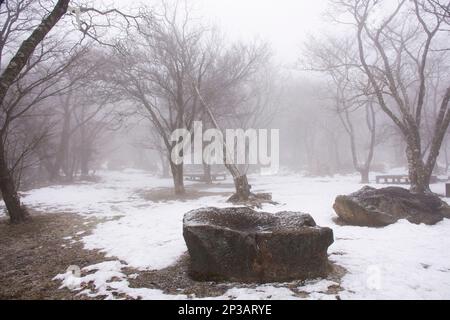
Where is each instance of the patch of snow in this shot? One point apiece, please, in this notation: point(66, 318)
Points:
point(144, 238)
point(318, 285)
point(259, 293)
point(401, 261)
point(106, 279)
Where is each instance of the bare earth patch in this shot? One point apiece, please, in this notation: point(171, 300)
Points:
point(175, 280)
point(193, 192)
point(32, 253)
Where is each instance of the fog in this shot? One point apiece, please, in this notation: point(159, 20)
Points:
point(284, 24)
point(292, 66)
point(210, 148)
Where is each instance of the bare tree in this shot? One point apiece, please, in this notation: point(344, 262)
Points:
point(22, 31)
point(232, 69)
point(154, 70)
point(256, 103)
point(10, 14)
point(402, 44)
point(336, 58)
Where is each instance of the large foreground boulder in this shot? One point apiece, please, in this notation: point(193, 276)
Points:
point(380, 207)
point(240, 244)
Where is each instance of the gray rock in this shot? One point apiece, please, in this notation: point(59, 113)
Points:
point(240, 244)
point(381, 207)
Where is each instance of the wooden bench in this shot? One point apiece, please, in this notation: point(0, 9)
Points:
point(398, 179)
point(201, 176)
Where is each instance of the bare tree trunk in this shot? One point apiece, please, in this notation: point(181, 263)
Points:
point(85, 152)
point(242, 188)
point(363, 168)
point(62, 152)
point(72, 164)
point(7, 78)
point(178, 178)
point(410, 116)
point(84, 161)
point(364, 175)
point(447, 160)
point(207, 173)
point(440, 130)
point(419, 179)
point(240, 180)
point(28, 46)
point(16, 212)
point(206, 168)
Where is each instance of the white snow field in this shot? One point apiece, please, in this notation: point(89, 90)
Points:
point(401, 261)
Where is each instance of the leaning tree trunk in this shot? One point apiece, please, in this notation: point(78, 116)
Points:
point(447, 162)
point(16, 212)
point(26, 49)
point(241, 184)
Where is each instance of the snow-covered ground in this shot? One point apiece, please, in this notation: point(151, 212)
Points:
point(402, 261)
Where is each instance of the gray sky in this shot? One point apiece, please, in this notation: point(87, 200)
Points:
point(284, 23)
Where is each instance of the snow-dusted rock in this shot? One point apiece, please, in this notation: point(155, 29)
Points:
point(381, 207)
point(240, 244)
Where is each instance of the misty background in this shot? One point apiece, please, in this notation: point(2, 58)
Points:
point(92, 91)
point(94, 119)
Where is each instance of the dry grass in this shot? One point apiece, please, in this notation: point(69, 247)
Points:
point(193, 192)
point(175, 280)
point(32, 253)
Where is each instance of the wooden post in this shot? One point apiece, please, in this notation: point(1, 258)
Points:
point(447, 190)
